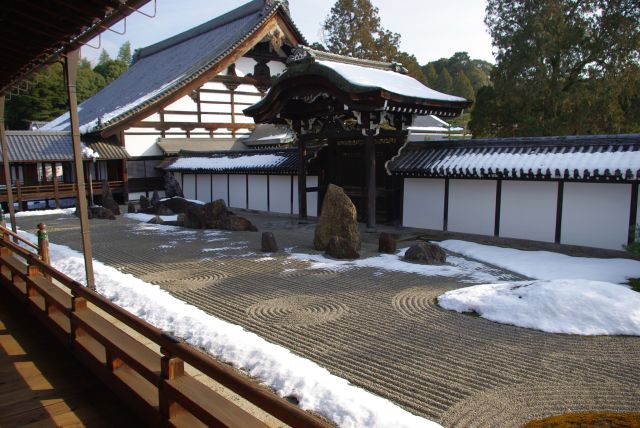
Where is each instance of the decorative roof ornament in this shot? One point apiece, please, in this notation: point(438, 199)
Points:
point(301, 54)
point(268, 4)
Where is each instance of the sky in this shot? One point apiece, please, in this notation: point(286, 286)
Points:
point(429, 29)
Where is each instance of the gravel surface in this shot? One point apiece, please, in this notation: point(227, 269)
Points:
point(378, 329)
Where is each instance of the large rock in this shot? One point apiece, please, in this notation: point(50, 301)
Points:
point(338, 218)
point(269, 244)
point(131, 207)
point(144, 203)
point(215, 213)
point(340, 248)
point(155, 199)
point(156, 220)
point(171, 186)
point(107, 199)
point(426, 253)
point(194, 217)
point(175, 205)
point(387, 243)
point(237, 223)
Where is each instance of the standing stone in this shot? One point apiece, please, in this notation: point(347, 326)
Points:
point(155, 199)
point(144, 203)
point(131, 207)
point(269, 244)
point(387, 243)
point(338, 218)
point(215, 213)
point(427, 253)
point(340, 248)
point(171, 186)
point(107, 199)
point(194, 217)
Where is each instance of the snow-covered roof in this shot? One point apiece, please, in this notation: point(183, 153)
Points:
point(40, 146)
point(430, 123)
point(275, 161)
point(165, 67)
point(601, 157)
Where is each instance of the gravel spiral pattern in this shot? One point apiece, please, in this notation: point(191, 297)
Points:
point(379, 329)
point(297, 310)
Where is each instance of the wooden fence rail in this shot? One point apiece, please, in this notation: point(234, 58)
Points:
point(154, 383)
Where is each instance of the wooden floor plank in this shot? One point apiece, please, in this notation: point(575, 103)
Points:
point(42, 384)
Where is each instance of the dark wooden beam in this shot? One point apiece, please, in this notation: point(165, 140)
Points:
point(302, 172)
point(7, 171)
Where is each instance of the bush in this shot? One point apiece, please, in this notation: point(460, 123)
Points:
point(634, 247)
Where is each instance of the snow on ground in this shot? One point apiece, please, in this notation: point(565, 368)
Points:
point(146, 217)
point(548, 265)
point(288, 374)
point(574, 295)
point(555, 306)
point(458, 267)
point(69, 211)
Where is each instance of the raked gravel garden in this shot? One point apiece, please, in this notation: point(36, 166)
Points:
point(496, 336)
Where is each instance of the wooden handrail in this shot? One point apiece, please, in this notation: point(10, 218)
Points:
point(6, 231)
point(173, 349)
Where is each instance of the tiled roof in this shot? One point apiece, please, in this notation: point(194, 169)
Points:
point(161, 69)
point(273, 161)
point(593, 157)
point(38, 146)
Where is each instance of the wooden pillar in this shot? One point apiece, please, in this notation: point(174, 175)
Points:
point(71, 71)
point(56, 196)
point(370, 168)
point(7, 171)
point(302, 171)
point(18, 188)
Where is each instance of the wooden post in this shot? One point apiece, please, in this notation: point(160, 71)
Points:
point(7, 170)
point(170, 368)
point(55, 184)
point(370, 163)
point(18, 188)
point(71, 71)
point(302, 172)
point(43, 243)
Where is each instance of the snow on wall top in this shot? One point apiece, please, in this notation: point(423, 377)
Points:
point(579, 157)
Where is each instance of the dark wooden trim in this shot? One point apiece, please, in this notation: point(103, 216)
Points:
point(211, 187)
point(182, 180)
point(496, 226)
point(291, 196)
point(56, 196)
point(559, 202)
point(445, 214)
point(246, 190)
point(633, 213)
point(228, 191)
point(268, 193)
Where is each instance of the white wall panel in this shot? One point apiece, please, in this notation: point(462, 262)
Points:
point(472, 206)
point(142, 145)
point(528, 210)
point(204, 187)
point(596, 214)
point(258, 193)
point(189, 186)
point(312, 197)
point(185, 103)
point(238, 191)
point(220, 187)
point(280, 193)
point(423, 203)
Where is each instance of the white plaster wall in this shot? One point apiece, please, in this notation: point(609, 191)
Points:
point(238, 191)
point(596, 214)
point(423, 203)
point(528, 210)
point(155, 117)
point(191, 118)
point(141, 145)
point(244, 66)
point(220, 187)
point(185, 103)
point(216, 108)
point(214, 85)
point(280, 193)
point(258, 193)
point(204, 187)
point(312, 197)
point(189, 186)
point(472, 206)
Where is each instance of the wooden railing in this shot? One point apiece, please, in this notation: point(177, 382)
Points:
point(155, 384)
point(51, 191)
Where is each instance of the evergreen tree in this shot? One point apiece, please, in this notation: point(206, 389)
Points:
point(411, 64)
point(104, 57)
point(462, 86)
point(431, 74)
point(559, 67)
point(353, 28)
point(444, 82)
point(124, 53)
